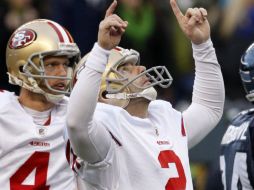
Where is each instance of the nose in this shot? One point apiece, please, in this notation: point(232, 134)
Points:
point(62, 70)
point(141, 68)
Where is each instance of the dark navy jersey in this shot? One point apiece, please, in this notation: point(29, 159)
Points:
point(236, 156)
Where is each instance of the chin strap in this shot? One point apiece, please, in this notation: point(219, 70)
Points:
point(149, 94)
point(55, 99)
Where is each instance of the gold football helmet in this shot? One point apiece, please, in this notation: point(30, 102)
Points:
point(26, 50)
point(115, 87)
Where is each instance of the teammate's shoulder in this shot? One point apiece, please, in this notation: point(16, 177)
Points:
point(107, 111)
point(102, 106)
point(4, 92)
point(6, 96)
point(159, 104)
point(159, 108)
point(61, 107)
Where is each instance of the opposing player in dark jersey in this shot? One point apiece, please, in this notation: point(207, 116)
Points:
point(237, 146)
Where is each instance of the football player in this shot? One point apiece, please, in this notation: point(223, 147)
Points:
point(237, 146)
point(39, 57)
point(130, 140)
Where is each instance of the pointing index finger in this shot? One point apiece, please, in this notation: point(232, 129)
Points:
point(176, 10)
point(111, 8)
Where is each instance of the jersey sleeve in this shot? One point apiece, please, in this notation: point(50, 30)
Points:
point(89, 140)
point(206, 108)
point(101, 175)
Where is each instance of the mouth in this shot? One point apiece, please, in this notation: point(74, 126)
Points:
point(146, 82)
point(60, 86)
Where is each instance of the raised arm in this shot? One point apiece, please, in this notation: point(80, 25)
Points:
point(194, 23)
point(206, 108)
point(90, 141)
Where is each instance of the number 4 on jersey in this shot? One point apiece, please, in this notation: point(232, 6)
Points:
point(38, 161)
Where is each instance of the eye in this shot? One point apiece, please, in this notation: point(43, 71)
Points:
point(50, 65)
point(123, 68)
point(127, 67)
point(56, 64)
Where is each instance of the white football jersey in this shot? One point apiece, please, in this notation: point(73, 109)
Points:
point(32, 156)
point(150, 154)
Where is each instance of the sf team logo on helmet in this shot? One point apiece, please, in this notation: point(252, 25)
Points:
point(22, 38)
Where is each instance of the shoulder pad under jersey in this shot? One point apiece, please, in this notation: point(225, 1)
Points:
point(5, 97)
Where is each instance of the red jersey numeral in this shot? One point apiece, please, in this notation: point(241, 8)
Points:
point(175, 183)
point(38, 161)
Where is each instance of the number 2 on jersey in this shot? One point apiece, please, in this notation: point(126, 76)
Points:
point(167, 157)
point(38, 161)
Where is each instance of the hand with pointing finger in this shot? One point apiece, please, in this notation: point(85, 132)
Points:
point(194, 23)
point(111, 28)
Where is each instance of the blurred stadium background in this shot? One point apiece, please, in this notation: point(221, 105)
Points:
point(153, 31)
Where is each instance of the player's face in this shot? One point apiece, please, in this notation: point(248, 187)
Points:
point(56, 66)
point(130, 71)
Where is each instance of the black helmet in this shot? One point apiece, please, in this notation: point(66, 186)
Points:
point(247, 72)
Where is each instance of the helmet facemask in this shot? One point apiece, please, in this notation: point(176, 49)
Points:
point(156, 76)
point(116, 88)
point(37, 79)
point(121, 87)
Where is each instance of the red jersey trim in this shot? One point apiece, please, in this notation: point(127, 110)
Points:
point(182, 128)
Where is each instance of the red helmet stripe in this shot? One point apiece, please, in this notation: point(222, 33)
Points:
point(63, 35)
point(60, 36)
point(69, 35)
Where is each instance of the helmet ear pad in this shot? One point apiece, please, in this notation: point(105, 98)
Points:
point(20, 65)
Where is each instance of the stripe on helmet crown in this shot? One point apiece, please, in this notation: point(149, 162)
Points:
point(63, 36)
point(69, 35)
